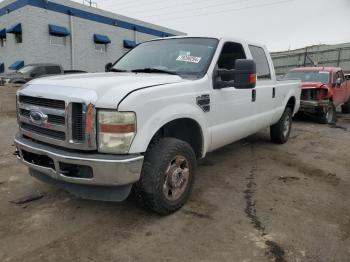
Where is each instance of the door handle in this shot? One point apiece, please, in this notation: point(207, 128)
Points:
point(253, 95)
point(274, 92)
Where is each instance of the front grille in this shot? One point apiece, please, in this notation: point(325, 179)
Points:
point(45, 102)
point(44, 131)
point(66, 121)
point(310, 94)
point(54, 119)
point(77, 122)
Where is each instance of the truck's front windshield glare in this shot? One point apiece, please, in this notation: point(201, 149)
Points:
point(182, 56)
point(305, 76)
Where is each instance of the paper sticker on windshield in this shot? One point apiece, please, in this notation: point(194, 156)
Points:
point(323, 72)
point(189, 58)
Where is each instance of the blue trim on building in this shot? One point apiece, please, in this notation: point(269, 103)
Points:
point(2, 67)
point(58, 30)
point(3, 33)
point(15, 29)
point(16, 65)
point(81, 14)
point(129, 44)
point(101, 39)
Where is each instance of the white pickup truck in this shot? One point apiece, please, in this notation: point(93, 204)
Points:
point(143, 125)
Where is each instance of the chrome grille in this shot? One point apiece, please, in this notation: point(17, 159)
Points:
point(310, 94)
point(60, 120)
point(39, 101)
point(63, 124)
point(77, 122)
point(44, 131)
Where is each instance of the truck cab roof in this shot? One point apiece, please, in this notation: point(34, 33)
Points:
point(317, 69)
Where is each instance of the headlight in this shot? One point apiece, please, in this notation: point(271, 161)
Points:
point(116, 130)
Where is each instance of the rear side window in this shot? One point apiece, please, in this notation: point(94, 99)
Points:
point(262, 65)
point(52, 70)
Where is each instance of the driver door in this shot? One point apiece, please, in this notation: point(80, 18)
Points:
point(232, 109)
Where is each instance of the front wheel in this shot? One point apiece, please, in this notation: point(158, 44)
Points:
point(167, 176)
point(280, 131)
point(328, 114)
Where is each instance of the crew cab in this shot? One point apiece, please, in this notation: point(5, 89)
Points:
point(323, 89)
point(142, 126)
point(32, 71)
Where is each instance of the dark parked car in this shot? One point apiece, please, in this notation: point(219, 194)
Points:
point(33, 71)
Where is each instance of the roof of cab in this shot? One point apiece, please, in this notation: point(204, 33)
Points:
point(316, 69)
point(225, 38)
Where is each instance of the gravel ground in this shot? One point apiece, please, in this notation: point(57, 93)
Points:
point(252, 201)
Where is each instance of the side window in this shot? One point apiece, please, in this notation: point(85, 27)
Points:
point(229, 54)
point(262, 64)
point(2, 42)
point(18, 38)
point(58, 40)
point(39, 71)
point(53, 70)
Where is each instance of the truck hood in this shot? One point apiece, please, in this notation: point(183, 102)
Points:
point(101, 89)
point(312, 85)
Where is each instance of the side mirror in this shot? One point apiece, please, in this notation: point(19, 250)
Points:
point(108, 67)
point(245, 74)
point(242, 77)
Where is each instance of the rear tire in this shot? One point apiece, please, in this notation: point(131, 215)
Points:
point(328, 115)
point(167, 176)
point(280, 131)
point(345, 109)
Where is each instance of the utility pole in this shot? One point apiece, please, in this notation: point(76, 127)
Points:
point(90, 3)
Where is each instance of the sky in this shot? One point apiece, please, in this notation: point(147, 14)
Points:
point(279, 24)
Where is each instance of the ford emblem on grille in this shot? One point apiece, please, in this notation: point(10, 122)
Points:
point(37, 117)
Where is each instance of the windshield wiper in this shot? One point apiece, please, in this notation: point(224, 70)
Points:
point(153, 70)
point(118, 70)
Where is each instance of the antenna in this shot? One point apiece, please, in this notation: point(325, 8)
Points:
point(90, 3)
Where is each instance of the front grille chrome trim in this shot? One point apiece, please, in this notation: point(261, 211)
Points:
point(88, 141)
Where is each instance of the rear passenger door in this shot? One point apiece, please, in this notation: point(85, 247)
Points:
point(339, 92)
point(265, 87)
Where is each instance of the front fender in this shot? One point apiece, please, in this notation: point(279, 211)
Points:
point(150, 123)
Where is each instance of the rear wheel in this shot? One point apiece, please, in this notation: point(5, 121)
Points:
point(167, 176)
point(280, 131)
point(345, 109)
point(328, 114)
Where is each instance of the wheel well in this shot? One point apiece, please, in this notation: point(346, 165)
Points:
point(185, 129)
point(291, 103)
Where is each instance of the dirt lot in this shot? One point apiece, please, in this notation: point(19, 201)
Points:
point(253, 201)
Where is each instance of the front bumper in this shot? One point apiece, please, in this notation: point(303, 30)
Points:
point(79, 168)
point(313, 106)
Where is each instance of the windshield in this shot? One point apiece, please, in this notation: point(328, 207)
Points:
point(308, 76)
point(26, 69)
point(182, 56)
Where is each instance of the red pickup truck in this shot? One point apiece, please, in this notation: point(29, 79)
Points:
point(323, 89)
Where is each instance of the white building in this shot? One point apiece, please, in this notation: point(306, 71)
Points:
point(76, 36)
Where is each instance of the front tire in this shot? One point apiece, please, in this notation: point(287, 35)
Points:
point(280, 131)
point(167, 176)
point(328, 115)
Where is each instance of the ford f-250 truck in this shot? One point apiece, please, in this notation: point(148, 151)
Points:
point(323, 89)
point(143, 125)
